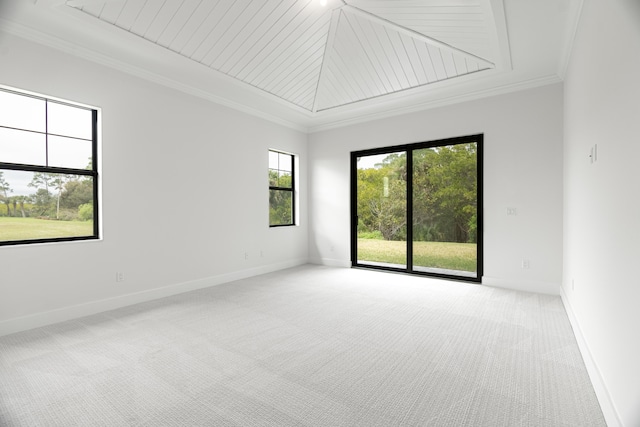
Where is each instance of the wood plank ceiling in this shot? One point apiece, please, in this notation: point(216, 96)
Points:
point(316, 56)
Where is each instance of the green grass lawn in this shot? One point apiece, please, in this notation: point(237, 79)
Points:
point(33, 228)
point(453, 256)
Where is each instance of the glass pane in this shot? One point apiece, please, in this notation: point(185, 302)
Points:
point(445, 210)
point(22, 112)
point(284, 179)
point(273, 160)
point(69, 121)
point(17, 146)
point(273, 177)
point(69, 152)
point(285, 162)
point(280, 207)
point(37, 205)
point(381, 210)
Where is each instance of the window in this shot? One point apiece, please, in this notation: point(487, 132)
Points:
point(48, 170)
point(281, 189)
point(417, 208)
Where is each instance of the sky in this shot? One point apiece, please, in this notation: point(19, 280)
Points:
point(30, 133)
point(368, 162)
point(19, 182)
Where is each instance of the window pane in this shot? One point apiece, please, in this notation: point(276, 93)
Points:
point(445, 210)
point(280, 201)
point(22, 112)
point(273, 178)
point(284, 179)
point(69, 121)
point(273, 160)
point(36, 205)
point(18, 146)
point(285, 162)
point(69, 152)
point(280, 207)
point(381, 203)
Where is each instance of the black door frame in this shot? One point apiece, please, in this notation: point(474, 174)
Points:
point(409, 148)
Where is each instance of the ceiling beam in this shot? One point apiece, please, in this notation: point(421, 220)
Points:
point(416, 35)
point(328, 49)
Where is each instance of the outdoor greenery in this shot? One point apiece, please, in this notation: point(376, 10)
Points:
point(280, 201)
point(444, 196)
point(34, 228)
point(55, 196)
point(444, 208)
point(65, 198)
point(452, 256)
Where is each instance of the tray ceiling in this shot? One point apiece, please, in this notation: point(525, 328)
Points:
point(313, 55)
point(310, 66)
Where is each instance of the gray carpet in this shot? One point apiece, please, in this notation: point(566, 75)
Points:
point(310, 346)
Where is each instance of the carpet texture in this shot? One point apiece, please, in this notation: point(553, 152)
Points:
point(309, 346)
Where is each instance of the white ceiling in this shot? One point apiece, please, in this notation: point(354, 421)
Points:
point(312, 66)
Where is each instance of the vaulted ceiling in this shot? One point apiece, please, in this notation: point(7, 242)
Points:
point(316, 56)
point(314, 63)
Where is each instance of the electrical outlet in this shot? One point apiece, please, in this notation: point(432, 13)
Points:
point(512, 211)
point(119, 276)
point(246, 255)
point(525, 264)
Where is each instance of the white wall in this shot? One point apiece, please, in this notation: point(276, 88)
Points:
point(184, 195)
point(523, 169)
point(601, 204)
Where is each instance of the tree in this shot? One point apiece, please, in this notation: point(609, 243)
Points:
point(42, 198)
point(280, 201)
point(21, 200)
point(58, 182)
point(390, 211)
point(370, 189)
point(85, 211)
point(382, 198)
point(77, 191)
point(455, 183)
point(444, 195)
point(5, 189)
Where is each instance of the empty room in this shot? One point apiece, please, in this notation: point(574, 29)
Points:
point(319, 213)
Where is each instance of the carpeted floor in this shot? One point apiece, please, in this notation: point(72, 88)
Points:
point(309, 346)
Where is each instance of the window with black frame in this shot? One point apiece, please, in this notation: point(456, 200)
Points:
point(281, 189)
point(417, 208)
point(48, 170)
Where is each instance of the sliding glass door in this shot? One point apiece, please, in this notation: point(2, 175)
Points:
point(418, 208)
point(382, 210)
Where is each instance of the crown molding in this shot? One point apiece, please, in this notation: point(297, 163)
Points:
point(57, 43)
point(471, 96)
point(44, 39)
point(217, 87)
point(567, 48)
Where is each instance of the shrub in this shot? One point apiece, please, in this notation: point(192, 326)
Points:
point(67, 215)
point(375, 234)
point(85, 212)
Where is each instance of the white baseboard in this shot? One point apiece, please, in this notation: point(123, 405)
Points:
point(536, 286)
point(330, 262)
point(36, 320)
point(606, 404)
